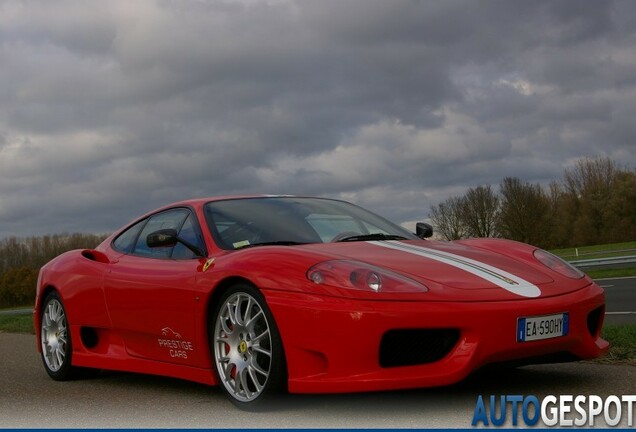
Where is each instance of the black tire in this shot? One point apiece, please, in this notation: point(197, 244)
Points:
point(55, 341)
point(246, 348)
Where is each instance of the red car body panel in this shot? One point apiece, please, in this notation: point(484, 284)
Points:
point(152, 315)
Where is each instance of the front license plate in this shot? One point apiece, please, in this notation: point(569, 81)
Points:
point(542, 327)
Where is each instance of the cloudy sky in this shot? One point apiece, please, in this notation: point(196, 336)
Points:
point(111, 108)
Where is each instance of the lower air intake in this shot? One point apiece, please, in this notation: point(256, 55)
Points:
point(595, 320)
point(416, 346)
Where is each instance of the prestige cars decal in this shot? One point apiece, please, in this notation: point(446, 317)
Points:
point(501, 278)
point(173, 344)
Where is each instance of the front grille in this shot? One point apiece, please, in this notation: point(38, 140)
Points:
point(411, 347)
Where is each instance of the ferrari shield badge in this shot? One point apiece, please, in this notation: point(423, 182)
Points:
point(209, 263)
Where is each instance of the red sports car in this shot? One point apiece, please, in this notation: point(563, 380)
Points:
point(268, 293)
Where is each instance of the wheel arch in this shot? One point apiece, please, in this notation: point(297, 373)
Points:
point(215, 297)
point(48, 289)
point(220, 289)
point(37, 316)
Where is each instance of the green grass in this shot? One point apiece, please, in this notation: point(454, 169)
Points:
point(611, 273)
point(16, 324)
point(603, 250)
point(623, 341)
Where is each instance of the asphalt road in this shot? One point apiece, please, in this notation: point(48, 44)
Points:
point(620, 300)
point(29, 398)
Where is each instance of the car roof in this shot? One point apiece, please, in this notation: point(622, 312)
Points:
point(200, 201)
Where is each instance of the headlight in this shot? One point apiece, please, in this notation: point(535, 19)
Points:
point(557, 264)
point(361, 276)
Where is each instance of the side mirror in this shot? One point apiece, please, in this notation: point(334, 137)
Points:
point(168, 238)
point(423, 230)
point(162, 238)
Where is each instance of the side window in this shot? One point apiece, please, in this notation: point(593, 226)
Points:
point(189, 233)
point(169, 219)
point(126, 240)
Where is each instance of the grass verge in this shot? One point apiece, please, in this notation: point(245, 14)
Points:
point(16, 324)
point(29, 306)
point(611, 273)
point(570, 253)
point(623, 340)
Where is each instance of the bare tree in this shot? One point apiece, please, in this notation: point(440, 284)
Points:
point(524, 210)
point(594, 203)
point(599, 191)
point(561, 215)
point(447, 219)
point(619, 216)
point(591, 176)
point(480, 208)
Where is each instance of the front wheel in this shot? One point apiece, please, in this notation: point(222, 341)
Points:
point(247, 348)
point(55, 339)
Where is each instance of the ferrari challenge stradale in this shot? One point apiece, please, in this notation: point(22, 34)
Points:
point(307, 295)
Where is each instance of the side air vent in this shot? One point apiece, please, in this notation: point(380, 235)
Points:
point(94, 255)
point(89, 337)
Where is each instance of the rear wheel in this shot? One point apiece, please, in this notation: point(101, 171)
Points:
point(246, 347)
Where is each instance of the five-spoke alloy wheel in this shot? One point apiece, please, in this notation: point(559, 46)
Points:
point(247, 351)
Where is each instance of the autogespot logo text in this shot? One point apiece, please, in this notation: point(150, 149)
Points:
point(562, 410)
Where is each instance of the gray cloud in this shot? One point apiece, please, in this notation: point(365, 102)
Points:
point(108, 109)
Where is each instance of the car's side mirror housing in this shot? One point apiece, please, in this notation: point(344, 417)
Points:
point(169, 238)
point(423, 230)
point(162, 238)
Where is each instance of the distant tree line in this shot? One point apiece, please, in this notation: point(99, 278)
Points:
point(21, 259)
point(594, 203)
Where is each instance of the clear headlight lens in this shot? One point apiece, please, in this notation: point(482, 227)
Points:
point(557, 264)
point(361, 276)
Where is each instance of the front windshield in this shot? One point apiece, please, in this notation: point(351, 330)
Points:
point(239, 223)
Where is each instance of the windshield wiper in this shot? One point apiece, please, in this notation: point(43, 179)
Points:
point(272, 243)
point(376, 236)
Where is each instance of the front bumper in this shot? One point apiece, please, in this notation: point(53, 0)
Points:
point(332, 344)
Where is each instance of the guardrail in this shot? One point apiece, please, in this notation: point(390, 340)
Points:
point(598, 252)
point(25, 311)
point(605, 262)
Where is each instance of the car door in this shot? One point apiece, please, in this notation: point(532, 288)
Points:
point(150, 292)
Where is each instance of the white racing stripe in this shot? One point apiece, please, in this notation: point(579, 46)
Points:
point(501, 278)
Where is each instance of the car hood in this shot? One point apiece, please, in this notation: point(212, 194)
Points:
point(473, 273)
